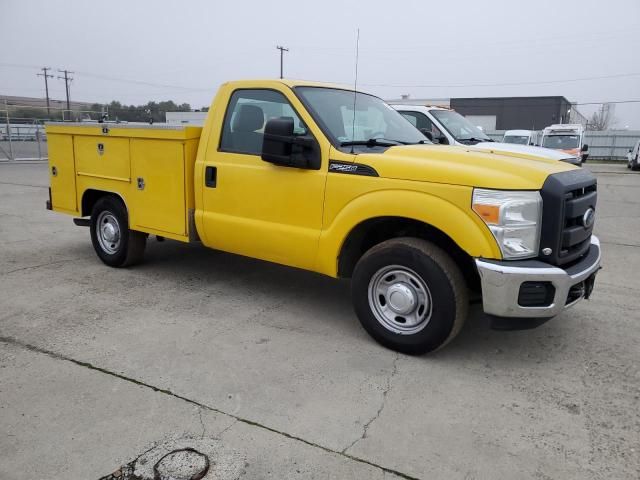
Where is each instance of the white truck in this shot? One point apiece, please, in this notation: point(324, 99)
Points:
point(568, 138)
point(446, 126)
point(521, 137)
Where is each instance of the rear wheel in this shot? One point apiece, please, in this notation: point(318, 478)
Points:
point(409, 295)
point(115, 244)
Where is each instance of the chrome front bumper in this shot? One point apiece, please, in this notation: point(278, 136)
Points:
point(501, 282)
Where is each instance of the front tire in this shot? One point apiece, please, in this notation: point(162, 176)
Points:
point(115, 244)
point(409, 295)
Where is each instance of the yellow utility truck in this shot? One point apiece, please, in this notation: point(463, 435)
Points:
point(327, 179)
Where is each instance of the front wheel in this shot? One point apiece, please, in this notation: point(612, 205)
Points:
point(409, 295)
point(115, 244)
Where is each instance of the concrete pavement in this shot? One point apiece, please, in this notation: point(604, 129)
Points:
point(98, 365)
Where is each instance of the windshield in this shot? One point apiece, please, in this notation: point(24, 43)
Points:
point(374, 119)
point(515, 139)
point(561, 142)
point(459, 127)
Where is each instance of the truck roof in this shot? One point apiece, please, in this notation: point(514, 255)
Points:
point(564, 128)
point(290, 83)
point(523, 133)
point(404, 106)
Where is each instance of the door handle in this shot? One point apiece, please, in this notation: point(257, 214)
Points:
point(211, 176)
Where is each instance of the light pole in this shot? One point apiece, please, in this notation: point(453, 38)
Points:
point(282, 50)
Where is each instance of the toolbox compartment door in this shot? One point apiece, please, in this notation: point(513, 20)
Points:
point(103, 157)
point(158, 185)
point(62, 174)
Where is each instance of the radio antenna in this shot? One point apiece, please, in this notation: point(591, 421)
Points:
point(355, 91)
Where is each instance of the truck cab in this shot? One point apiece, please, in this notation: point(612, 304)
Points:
point(567, 138)
point(327, 179)
point(448, 127)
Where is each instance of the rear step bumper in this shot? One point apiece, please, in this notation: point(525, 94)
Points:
point(82, 222)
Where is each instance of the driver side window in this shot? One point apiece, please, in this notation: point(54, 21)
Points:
point(247, 114)
point(422, 123)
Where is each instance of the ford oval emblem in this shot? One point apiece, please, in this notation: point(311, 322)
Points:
point(589, 218)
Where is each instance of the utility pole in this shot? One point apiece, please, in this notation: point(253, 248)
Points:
point(282, 50)
point(67, 80)
point(46, 85)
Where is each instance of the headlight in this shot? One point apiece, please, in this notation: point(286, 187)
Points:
point(514, 219)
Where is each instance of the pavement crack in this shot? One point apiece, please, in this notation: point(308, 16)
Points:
point(226, 429)
point(23, 185)
point(58, 356)
point(204, 430)
point(385, 392)
point(38, 266)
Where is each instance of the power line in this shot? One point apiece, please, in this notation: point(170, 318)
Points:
point(508, 84)
point(140, 82)
point(46, 85)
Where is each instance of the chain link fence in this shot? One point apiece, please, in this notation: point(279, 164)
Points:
point(22, 132)
point(609, 145)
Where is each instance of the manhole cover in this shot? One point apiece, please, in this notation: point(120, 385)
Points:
point(183, 464)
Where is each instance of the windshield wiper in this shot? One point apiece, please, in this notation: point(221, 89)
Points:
point(373, 142)
point(474, 139)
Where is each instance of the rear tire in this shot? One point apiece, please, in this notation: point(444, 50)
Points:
point(409, 295)
point(115, 244)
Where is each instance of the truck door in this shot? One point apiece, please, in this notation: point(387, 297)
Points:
point(252, 207)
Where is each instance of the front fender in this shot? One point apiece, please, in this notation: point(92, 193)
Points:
point(456, 220)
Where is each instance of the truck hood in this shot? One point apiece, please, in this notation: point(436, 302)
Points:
point(463, 166)
point(525, 150)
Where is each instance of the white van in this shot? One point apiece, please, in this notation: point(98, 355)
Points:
point(520, 137)
point(568, 138)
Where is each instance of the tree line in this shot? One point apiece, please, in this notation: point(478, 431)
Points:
point(115, 111)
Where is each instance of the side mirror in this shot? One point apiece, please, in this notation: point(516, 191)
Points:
point(442, 140)
point(585, 148)
point(427, 133)
point(281, 147)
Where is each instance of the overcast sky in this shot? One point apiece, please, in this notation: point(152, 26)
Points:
point(136, 51)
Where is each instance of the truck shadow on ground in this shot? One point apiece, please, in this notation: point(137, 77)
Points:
point(196, 268)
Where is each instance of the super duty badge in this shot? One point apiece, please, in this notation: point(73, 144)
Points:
point(352, 168)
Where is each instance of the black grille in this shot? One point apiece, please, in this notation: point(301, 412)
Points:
point(566, 197)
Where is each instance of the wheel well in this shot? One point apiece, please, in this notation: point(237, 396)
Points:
point(377, 230)
point(90, 197)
